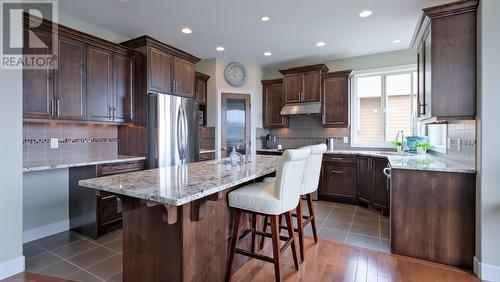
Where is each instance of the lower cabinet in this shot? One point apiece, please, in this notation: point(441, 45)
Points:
point(207, 156)
point(338, 179)
point(94, 213)
point(372, 184)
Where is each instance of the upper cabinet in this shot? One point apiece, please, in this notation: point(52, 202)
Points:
point(303, 84)
point(335, 101)
point(92, 82)
point(165, 69)
point(201, 87)
point(272, 103)
point(445, 40)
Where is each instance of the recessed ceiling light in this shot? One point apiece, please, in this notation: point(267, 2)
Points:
point(267, 53)
point(186, 30)
point(320, 44)
point(396, 41)
point(264, 18)
point(365, 13)
point(220, 48)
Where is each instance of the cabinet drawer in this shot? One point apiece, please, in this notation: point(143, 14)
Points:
point(109, 211)
point(207, 156)
point(339, 158)
point(109, 169)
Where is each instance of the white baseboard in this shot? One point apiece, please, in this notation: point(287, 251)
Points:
point(45, 230)
point(11, 267)
point(486, 272)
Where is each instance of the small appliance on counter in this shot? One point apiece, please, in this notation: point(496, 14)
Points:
point(329, 143)
point(270, 142)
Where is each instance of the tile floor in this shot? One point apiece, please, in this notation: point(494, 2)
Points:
point(74, 257)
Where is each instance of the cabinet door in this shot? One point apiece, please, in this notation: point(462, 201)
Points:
point(336, 101)
point(159, 71)
point(201, 91)
point(293, 85)
point(183, 78)
point(338, 182)
point(123, 69)
point(363, 180)
point(272, 105)
point(312, 87)
point(38, 86)
point(99, 84)
point(427, 75)
point(380, 192)
point(70, 93)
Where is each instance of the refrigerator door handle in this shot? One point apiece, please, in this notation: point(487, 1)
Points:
point(182, 134)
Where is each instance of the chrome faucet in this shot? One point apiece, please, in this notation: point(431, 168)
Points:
point(403, 145)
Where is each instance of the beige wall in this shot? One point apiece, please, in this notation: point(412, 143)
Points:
point(389, 59)
point(488, 164)
point(11, 184)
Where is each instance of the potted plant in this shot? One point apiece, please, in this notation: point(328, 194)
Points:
point(422, 147)
point(398, 145)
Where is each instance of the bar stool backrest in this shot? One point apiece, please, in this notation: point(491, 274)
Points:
point(290, 178)
point(313, 168)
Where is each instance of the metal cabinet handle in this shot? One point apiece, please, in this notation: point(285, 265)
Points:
point(110, 112)
point(387, 172)
point(337, 171)
point(58, 108)
point(114, 113)
point(51, 107)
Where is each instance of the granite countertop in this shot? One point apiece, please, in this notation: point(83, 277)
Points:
point(178, 185)
point(65, 163)
point(406, 161)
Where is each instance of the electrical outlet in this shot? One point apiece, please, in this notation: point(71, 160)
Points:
point(54, 143)
point(459, 144)
point(345, 139)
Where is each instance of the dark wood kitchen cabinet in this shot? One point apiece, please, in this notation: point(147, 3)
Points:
point(99, 84)
point(94, 213)
point(335, 102)
point(372, 184)
point(303, 84)
point(70, 81)
point(445, 40)
point(201, 87)
point(93, 80)
point(338, 179)
point(38, 86)
point(272, 103)
point(165, 69)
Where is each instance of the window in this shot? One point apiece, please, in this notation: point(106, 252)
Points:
point(383, 102)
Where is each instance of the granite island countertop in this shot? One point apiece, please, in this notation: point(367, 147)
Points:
point(405, 160)
point(74, 162)
point(181, 184)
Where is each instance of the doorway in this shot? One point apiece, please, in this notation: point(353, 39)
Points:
point(235, 122)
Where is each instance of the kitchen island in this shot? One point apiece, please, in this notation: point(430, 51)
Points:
point(176, 221)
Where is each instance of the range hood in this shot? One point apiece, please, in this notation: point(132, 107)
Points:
point(301, 109)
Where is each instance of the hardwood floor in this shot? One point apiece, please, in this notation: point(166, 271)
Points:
point(332, 261)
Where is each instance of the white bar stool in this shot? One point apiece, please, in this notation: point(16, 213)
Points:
point(311, 182)
point(271, 200)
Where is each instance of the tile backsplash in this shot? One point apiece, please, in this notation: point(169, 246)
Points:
point(465, 131)
point(75, 141)
point(307, 130)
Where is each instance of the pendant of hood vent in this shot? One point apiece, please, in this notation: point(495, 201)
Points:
point(312, 108)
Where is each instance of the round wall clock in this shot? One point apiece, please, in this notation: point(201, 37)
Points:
point(235, 74)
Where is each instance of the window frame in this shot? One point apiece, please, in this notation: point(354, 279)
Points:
point(394, 70)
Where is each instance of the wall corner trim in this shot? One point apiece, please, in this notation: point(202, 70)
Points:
point(11, 267)
point(486, 272)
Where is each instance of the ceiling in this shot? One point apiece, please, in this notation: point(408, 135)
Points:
point(290, 34)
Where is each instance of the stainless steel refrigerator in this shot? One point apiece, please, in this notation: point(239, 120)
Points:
point(172, 130)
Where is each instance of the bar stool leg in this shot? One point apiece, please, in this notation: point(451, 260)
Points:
point(234, 241)
point(265, 223)
point(254, 227)
point(275, 232)
point(300, 228)
point(291, 234)
point(311, 213)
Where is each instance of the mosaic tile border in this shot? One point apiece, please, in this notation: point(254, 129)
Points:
point(72, 140)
